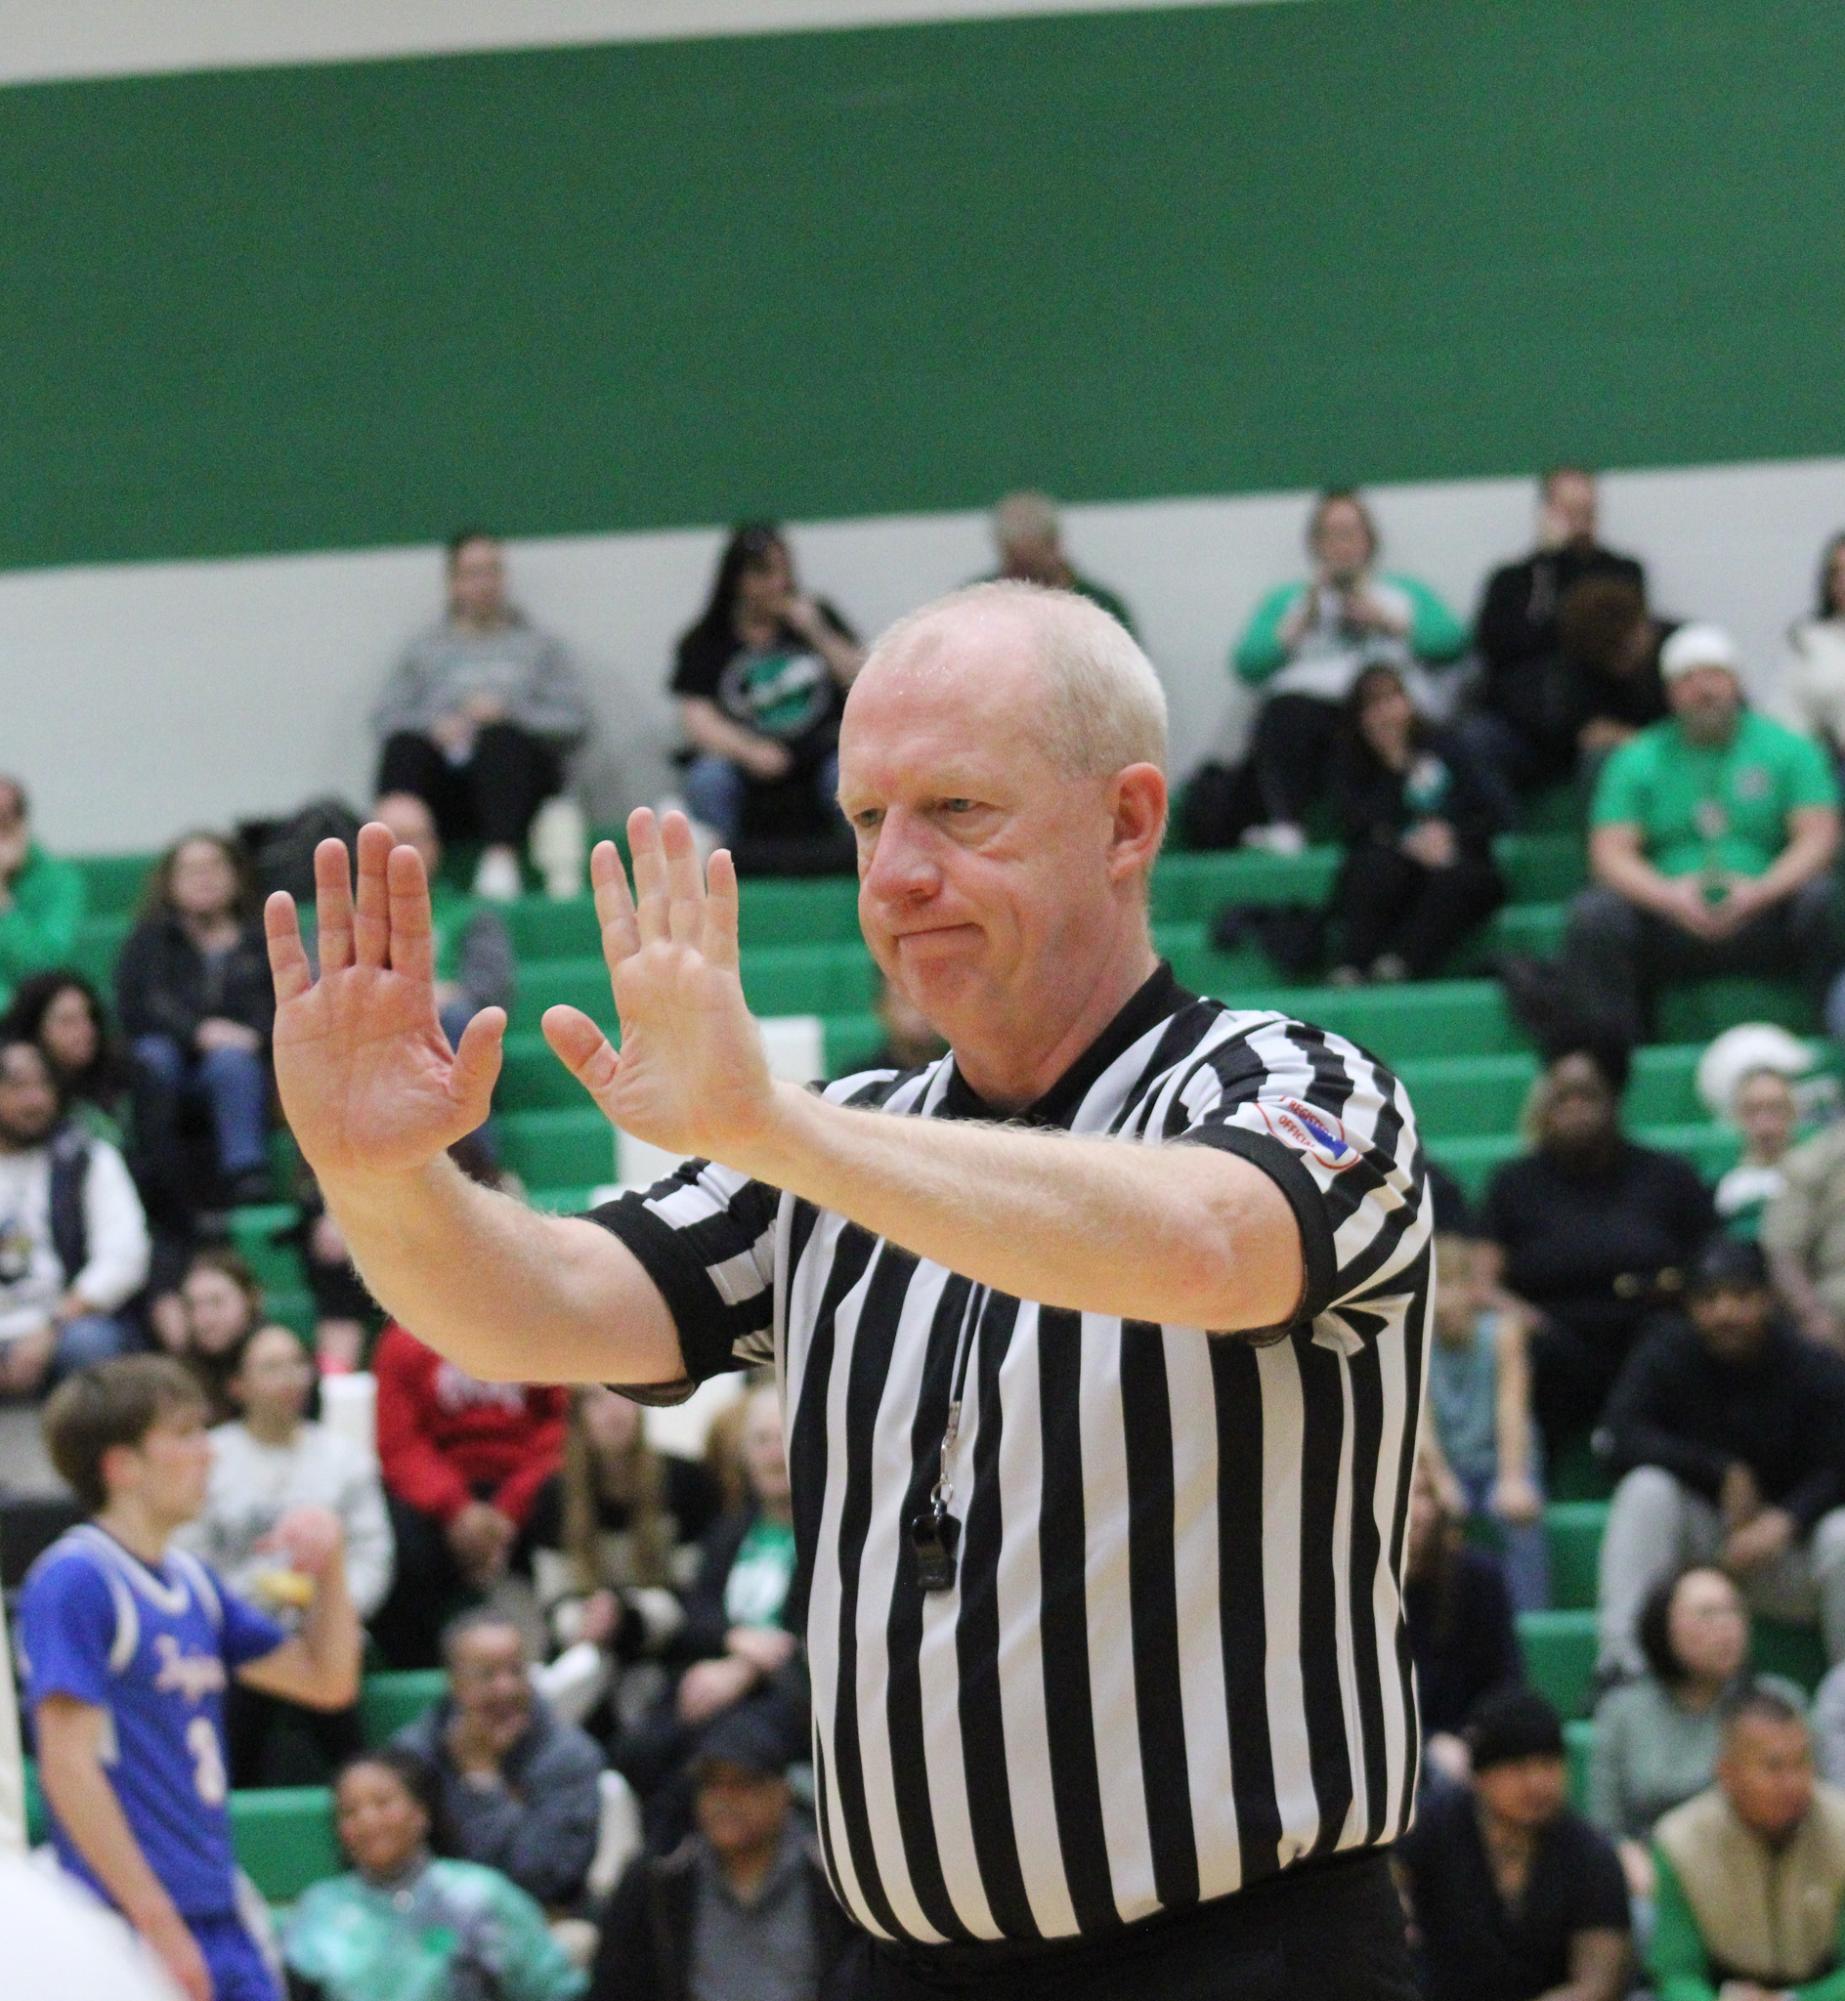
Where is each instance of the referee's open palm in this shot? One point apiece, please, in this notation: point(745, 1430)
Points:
point(690, 1075)
point(368, 1082)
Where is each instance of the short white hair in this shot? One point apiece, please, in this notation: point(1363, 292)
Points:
point(1107, 707)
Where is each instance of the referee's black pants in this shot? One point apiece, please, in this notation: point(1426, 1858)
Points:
point(1328, 1931)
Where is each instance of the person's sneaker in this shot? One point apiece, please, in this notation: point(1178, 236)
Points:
point(497, 879)
point(1281, 838)
point(1345, 976)
point(1390, 969)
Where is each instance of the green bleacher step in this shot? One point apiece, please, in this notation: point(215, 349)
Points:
point(396, 1697)
point(1573, 1536)
point(1559, 1651)
point(284, 1839)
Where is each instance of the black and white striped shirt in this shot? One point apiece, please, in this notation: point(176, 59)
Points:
point(1173, 1659)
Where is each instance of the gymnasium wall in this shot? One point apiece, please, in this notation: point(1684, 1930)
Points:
point(1175, 265)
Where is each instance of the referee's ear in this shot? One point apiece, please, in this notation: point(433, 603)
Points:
point(1137, 803)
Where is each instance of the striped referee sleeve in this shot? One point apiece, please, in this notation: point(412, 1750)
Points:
point(706, 1237)
point(1332, 1127)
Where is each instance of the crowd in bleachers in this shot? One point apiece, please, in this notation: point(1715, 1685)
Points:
point(612, 1725)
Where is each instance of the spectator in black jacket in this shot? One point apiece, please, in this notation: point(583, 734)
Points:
point(737, 1647)
point(1516, 631)
point(1459, 1614)
point(740, 1907)
point(195, 1000)
point(1729, 1431)
point(1588, 1228)
point(1418, 829)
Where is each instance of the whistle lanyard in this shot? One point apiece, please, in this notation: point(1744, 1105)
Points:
point(943, 1492)
point(935, 1534)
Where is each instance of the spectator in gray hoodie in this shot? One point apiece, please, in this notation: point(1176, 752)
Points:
point(520, 1787)
point(480, 715)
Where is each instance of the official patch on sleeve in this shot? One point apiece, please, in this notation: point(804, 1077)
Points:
point(1307, 1129)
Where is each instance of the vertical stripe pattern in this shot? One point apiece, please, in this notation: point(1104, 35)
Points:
point(1172, 1659)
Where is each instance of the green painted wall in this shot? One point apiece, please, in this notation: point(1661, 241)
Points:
point(834, 274)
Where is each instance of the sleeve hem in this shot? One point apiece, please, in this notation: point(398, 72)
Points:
point(1303, 1195)
point(683, 1284)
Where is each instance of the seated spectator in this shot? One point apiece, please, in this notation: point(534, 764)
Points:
point(1418, 828)
point(41, 900)
point(1728, 1432)
point(73, 1239)
point(1305, 648)
point(405, 1923)
point(1810, 688)
point(1510, 1894)
point(738, 1646)
point(909, 1042)
point(220, 1306)
point(1750, 1079)
point(463, 1462)
point(519, 1790)
point(1519, 701)
point(1657, 1738)
point(1751, 1897)
point(480, 715)
point(761, 682)
point(1585, 1228)
point(612, 1538)
point(63, 1013)
point(1459, 1615)
point(1028, 539)
point(1803, 1234)
point(742, 1906)
point(473, 949)
point(1712, 841)
point(1480, 1401)
point(1611, 684)
point(195, 1000)
point(266, 1461)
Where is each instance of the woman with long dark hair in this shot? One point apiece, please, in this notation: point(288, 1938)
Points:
point(761, 680)
point(1418, 828)
point(195, 999)
point(63, 1013)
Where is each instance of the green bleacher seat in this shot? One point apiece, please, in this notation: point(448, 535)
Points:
point(284, 1839)
point(1559, 1651)
point(1711, 1149)
point(1700, 1009)
point(1573, 1534)
point(112, 884)
point(1797, 1652)
point(1578, 1751)
point(396, 1697)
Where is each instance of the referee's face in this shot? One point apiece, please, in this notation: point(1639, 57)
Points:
point(995, 889)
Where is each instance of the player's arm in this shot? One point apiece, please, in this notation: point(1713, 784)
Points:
point(70, 1739)
point(318, 1665)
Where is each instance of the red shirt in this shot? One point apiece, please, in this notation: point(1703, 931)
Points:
point(445, 1439)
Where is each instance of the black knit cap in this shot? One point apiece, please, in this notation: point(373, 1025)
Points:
point(1510, 1724)
point(1727, 1262)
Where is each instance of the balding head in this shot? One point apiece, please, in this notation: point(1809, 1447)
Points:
point(1000, 765)
point(1099, 703)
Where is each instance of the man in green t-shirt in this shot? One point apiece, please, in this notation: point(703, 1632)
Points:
point(1711, 844)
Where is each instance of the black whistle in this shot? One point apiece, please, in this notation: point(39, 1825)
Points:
point(934, 1537)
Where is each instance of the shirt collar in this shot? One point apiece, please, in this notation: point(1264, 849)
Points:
point(1157, 997)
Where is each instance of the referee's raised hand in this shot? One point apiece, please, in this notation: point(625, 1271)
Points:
point(691, 1075)
point(368, 1081)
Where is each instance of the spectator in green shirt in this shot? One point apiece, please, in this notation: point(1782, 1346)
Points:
point(1028, 538)
point(41, 900)
point(1305, 647)
point(1711, 844)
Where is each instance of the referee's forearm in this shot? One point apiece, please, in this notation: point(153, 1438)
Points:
point(1183, 1234)
point(508, 1293)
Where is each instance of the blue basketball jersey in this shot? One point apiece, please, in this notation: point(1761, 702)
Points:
point(154, 1649)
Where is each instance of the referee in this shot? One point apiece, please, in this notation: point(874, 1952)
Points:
point(1101, 1340)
